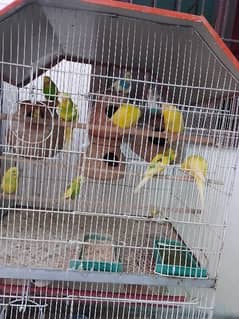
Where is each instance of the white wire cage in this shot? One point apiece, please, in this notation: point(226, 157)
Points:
point(108, 233)
point(77, 300)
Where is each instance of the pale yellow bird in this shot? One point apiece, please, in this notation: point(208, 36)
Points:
point(197, 167)
point(10, 181)
point(173, 119)
point(126, 116)
point(155, 168)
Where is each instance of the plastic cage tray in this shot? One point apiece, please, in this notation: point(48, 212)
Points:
point(99, 254)
point(174, 258)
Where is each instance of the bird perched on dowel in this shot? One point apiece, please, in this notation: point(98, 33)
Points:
point(10, 181)
point(197, 167)
point(156, 167)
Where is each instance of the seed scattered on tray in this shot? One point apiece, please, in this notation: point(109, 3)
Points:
point(99, 251)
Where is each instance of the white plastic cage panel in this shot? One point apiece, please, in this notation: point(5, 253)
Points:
point(134, 98)
point(37, 299)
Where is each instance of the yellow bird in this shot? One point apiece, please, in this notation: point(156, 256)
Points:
point(10, 181)
point(126, 116)
point(197, 167)
point(173, 119)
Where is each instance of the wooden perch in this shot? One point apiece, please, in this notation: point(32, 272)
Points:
point(133, 131)
point(79, 168)
point(59, 198)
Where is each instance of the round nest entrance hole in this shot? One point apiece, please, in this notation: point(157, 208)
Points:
point(156, 140)
point(111, 159)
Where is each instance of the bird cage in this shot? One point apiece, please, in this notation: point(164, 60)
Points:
point(119, 137)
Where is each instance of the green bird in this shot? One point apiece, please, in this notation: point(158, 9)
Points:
point(50, 89)
point(68, 110)
point(10, 181)
point(73, 189)
point(68, 113)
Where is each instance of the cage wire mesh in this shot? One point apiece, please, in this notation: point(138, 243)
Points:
point(76, 300)
point(110, 68)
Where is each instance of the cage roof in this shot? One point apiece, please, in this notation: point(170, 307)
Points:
point(59, 21)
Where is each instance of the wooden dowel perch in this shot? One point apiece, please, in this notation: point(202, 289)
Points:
point(109, 170)
point(133, 131)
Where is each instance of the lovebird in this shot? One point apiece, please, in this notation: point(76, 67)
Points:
point(10, 181)
point(173, 119)
point(155, 167)
point(123, 85)
point(197, 167)
point(126, 116)
point(50, 89)
point(73, 189)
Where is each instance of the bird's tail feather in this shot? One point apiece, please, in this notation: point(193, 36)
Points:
point(67, 135)
point(200, 182)
point(141, 184)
